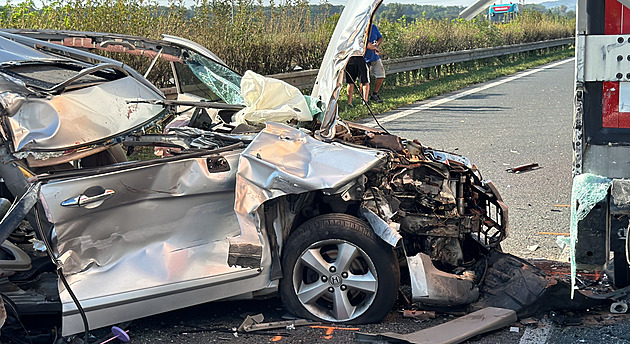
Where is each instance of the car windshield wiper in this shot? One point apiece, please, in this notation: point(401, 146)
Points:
point(192, 103)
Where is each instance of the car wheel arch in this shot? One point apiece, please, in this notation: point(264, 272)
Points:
point(299, 205)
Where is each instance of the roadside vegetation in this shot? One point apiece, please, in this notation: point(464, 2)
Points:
point(395, 11)
point(431, 36)
point(281, 36)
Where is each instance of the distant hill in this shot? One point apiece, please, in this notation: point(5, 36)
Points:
point(570, 4)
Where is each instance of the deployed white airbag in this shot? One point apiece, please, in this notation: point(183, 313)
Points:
point(268, 99)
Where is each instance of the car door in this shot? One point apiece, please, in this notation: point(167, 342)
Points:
point(140, 238)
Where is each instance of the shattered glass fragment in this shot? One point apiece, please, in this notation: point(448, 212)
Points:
point(588, 190)
point(314, 105)
point(221, 80)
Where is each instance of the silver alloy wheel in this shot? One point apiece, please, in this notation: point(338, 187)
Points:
point(335, 280)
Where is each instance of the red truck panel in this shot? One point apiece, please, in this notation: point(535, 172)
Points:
point(617, 22)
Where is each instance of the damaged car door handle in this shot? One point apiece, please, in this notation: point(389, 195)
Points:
point(84, 199)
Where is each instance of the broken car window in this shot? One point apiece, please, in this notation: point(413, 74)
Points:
point(211, 80)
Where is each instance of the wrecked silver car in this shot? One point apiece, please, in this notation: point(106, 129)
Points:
point(253, 194)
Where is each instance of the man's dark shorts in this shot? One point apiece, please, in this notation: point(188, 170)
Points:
point(357, 70)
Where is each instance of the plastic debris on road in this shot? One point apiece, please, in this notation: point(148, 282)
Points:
point(524, 168)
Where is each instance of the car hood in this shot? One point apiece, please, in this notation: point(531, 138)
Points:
point(45, 108)
point(349, 39)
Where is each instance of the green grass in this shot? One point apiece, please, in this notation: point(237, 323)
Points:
point(407, 88)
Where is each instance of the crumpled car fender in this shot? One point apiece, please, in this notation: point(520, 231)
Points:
point(282, 160)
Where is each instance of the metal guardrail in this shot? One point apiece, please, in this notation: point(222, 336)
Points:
point(306, 78)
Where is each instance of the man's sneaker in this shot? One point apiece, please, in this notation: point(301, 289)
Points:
point(375, 97)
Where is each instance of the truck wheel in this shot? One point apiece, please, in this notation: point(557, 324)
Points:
point(335, 269)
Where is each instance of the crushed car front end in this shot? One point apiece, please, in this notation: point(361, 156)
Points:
point(433, 207)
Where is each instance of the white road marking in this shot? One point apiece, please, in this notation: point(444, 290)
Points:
point(423, 107)
point(537, 335)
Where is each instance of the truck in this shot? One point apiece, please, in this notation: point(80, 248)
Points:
point(502, 12)
point(601, 139)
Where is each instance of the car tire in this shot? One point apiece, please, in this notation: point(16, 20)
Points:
point(360, 286)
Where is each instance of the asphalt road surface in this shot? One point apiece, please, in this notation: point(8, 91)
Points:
point(521, 119)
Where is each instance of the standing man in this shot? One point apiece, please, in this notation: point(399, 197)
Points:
point(374, 61)
point(356, 69)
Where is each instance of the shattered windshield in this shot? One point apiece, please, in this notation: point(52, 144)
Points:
point(217, 81)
